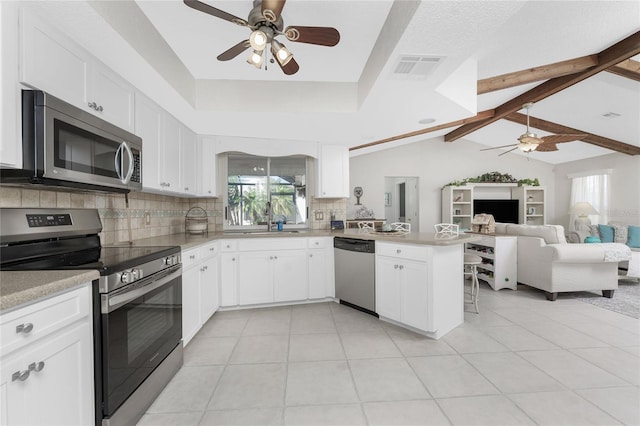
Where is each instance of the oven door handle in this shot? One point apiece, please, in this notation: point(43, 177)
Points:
point(112, 301)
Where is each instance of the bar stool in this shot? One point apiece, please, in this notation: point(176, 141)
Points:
point(367, 226)
point(471, 261)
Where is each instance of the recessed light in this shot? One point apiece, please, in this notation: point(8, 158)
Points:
point(427, 120)
point(611, 115)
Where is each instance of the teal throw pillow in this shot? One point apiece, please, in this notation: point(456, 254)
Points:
point(634, 236)
point(606, 233)
point(592, 239)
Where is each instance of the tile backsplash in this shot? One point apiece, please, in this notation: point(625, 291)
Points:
point(151, 215)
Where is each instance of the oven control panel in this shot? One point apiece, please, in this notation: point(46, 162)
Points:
point(41, 220)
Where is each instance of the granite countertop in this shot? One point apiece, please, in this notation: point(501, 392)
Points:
point(19, 288)
point(186, 241)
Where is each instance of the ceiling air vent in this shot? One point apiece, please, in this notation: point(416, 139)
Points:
point(611, 115)
point(415, 65)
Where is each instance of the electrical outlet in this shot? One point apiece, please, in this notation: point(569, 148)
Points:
point(147, 218)
point(319, 215)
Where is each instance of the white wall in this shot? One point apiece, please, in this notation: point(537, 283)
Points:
point(624, 186)
point(436, 163)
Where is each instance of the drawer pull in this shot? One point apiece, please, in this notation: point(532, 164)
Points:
point(36, 366)
point(193, 256)
point(401, 267)
point(212, 249)
point(24, 328)
point(398, 251)
point(20, 375)
point(395, 266)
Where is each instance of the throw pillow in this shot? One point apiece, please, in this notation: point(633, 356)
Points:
point(593, 231)
point(606, 233)
point(620, 234)
point(634, 236)
point(592, 239)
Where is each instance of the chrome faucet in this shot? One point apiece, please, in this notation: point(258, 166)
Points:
point(269, 213)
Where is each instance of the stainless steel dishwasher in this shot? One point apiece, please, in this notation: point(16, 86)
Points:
point(355, 273)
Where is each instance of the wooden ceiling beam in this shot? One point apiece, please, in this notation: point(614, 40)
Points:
point(627, 68)
point(613, 55)
point(480, 116)
point(531, 75)
point(551, 127)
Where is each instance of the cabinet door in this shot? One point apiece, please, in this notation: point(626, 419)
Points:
point(208, 169)
point(415, 300)
point(209, 288)
point(11, 111)
point(61, 393)
point(388, 290)
point(228, 279)
point(170, 151)
point(53, 63)
point(149, 128)
point(112, 96)
point(318, 273)
point(190, 303)
point(289, 276)
point(333, 172)
point(188, 161)
point(254, 278)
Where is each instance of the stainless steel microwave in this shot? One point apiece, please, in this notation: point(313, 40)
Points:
point(66, 146)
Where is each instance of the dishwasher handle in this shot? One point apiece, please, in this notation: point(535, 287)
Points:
point(354, 244)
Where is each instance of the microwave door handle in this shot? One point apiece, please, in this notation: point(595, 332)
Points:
point(117, 162)
point(127, 178)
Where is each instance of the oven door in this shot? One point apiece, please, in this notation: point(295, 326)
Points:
point(141, 325)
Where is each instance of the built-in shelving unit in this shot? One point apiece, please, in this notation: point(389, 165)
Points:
point(532, 204)
point(457, 206)
point(499, 255)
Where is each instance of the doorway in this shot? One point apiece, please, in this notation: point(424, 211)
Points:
point(401, 200)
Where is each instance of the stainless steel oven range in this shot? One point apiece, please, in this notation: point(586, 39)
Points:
point(137, 309)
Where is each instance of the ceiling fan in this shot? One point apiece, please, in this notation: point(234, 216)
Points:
point(265, 22)
point(529, 141)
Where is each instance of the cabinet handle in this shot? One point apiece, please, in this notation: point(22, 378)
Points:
point(398, 251)
point(212, 249)
point(168, 184)
point(24, 328)
point(209, 191)
point(93, 105)
point(20, 375)
point(36, 366)
point(100, 108)
point(310, 255)
point(317, 243)
point(275, 257)
point(401, 267)
point(395, 266)
point(233, 259)
point(186, 188)
point(202, 269)
point(193, 256)
point(270, 257)
point(206, 267)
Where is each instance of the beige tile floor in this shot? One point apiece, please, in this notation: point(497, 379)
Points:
point(522, 360)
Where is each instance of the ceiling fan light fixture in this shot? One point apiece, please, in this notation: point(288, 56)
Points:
point(258, 40)
point(280, 52)
point(255, 59)
point(527, 146)
point(529, 138)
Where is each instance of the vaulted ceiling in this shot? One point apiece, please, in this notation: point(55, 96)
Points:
point(352, 94)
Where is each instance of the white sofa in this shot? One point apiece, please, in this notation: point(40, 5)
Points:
point(546, 261)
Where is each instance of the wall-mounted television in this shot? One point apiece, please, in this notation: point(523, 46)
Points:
point(505, 211)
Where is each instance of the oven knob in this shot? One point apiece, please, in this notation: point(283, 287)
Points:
point(176, 260)
point(126, 277)
point(170, 260)
point(135, 273)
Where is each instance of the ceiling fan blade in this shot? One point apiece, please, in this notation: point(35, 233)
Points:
point(290, 68)
point(546, 147)
point(271, 9)
point(203, 7)
point(497, 147)
point(323, 36)
point(506, 152)
point(562, 138)
point(234, 51)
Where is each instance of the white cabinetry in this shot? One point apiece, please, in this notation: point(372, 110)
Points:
point(46, 376)
point(457, 205)
point(188, 165)
point(420, 286)
point(200, 288)
point(149, 128)
point(531, 204)
point(207, 163)
point(499, 256)
point(320, 268)
point(10, 119)
point(332, 169)
point(54, 63)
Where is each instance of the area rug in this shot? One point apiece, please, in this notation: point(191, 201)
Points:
point(625, 300)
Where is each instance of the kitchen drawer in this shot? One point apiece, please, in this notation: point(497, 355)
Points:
point(271, 244)
point(190, 257)
point(319, 242)
point(228, 245)
point(43, 318)
point(402, 251)
point(209, 250)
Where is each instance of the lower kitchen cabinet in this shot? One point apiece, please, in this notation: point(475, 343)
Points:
point(47, 378)
point(228, 279)
point(289, 274)
point(200, 288)
point(420, 286)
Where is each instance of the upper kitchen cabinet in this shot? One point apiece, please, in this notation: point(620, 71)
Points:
point(149, 128)
point(207, 163)
point(189, 155)
point(332, 170)
point(51, 62)
point(10, 120)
